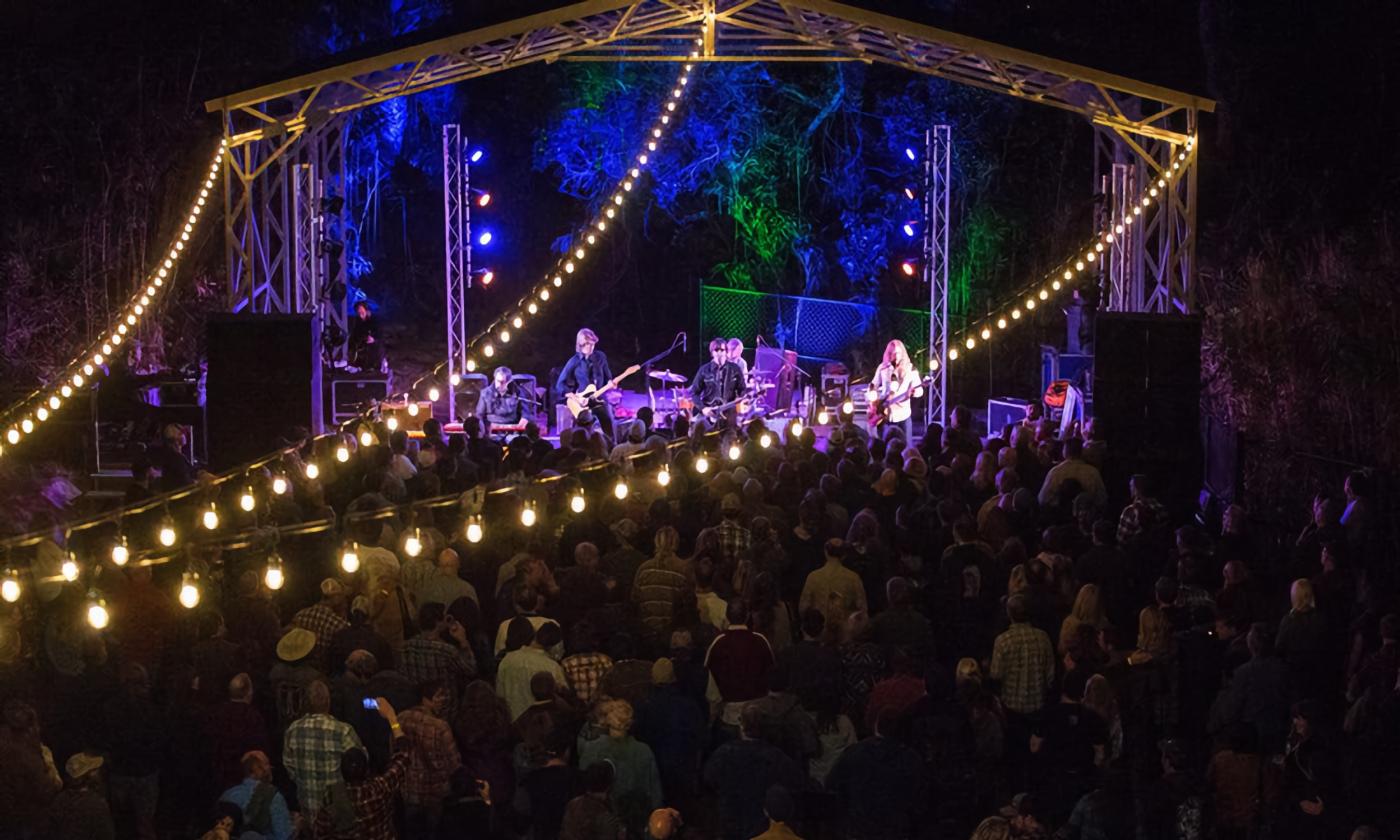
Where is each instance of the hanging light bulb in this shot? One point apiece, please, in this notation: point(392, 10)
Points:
point(434, 394)
point(312, 471)
point(97, 614)
point(166, 535)
point(211, 517)
point(577, 503)
point(342, 453)
point(848, 407)
point(413, 409)
point(413, 543)
point(273, 576)
point(528, 515)
point(702, 464)
point(9, 587)
point(70, 568)
point(797, 428)
point(664, 476)
point(189, 590)
point(366, 438)
point(391, 422)
point(456, 378)
point(350, 557)
point(823, 417)
point(735, 451)
point(765, 440)
point(986, 333)
point(279, 485)
point(474, 533)
point(121, 552)
point(620, 490)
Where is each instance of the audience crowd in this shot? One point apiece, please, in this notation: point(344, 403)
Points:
point(995, 637)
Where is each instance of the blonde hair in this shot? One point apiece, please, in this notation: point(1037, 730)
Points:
point(897, 357)
point(616, 717)
point(992, 828)
point(968, 670)
point(585, 336)
point(666, 542)
point(1098, 696)
point(1017, 581)
point(1302, 596)
point(1154, 632)
point(1088, 605)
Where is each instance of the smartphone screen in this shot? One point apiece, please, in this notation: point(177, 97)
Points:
point(371, 703)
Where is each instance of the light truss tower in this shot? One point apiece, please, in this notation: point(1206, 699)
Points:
point(457, 242)
point(938, 159)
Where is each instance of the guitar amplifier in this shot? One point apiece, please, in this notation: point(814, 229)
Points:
point(1002, 411)
point(780, 368)
point(351, 393)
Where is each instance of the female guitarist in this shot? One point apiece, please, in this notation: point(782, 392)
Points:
point(892, 389)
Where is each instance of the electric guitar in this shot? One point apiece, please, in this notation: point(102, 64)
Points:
point(578, 402)
point(881, 408)
point(748, 396)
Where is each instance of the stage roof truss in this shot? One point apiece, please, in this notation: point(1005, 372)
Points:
point(741, 30)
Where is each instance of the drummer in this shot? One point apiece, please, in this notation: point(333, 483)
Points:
point(735, 355)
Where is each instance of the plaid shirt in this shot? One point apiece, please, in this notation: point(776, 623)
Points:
point(734, 539)
point(1023, 661)
point(424, 659)
point(585, 671)
point(323, 621)
point(1139, 517)
point(311, 751)
point(433, 759)
point(373, 801)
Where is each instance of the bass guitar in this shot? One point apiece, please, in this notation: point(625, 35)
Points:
point(578, 402)
point(880, 409)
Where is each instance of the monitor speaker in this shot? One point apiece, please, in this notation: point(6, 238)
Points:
point(264, 377)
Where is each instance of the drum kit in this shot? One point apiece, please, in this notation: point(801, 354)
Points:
point(681, 401)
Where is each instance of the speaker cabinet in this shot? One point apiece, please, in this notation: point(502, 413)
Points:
point(264, 377)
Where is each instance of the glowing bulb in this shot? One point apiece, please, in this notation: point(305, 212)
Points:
point(342, 453)
point(279, 485)
point(533, 308)
point(413, 543)
point(65, 391)
point(627, 185)
point(569, 266)
point(952, 354)
point(1030, 303)
point(247, 501)
point(617, 199)
point(69, 569)
point(1001, 323)
point(42, 414)
point(12, 436)
point(97, 614)
point(1078, 265)
point(848, 407)
point(986, 333)
point(474, 533)
point(456, 378)
point(1055, 285)
point(933, 364)
point(55, 402)
point(211, 518)
point(970, 343)
point(121, 552)
point(26, 425)
point(823, 417)
point(796, 428)
point(488, 351)
point(735, 451)
point(702, 464)
point(1089, 256)
point(528, 516)
point(517, 322)
point(350, 558)
point(413, 409)
point(642, 159)
point(273, 577)
point(167, 533)
point(434, 394)
point(1118, 229)
point(9, 587)
point(505, 336)
point(577, 503)
point(189, 591)
point(312, 471)
point(558, 281)
point(367, 439)
point(87, 371)
point(651, 146)
point(620, 490)
point(544, 294)
point(664, 476)
point(471, 365)
point(1098, 247)
point(1108, 237)
point(578, 253)
point(1044, 294)
point(1152, 192)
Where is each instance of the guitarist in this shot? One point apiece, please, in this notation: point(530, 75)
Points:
point(587, 367)
point(889, 395)
point(718, 381)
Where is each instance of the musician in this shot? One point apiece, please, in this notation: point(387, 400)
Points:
point(719, 380)
point(735, 355)
point(366, 353)
point(587, 366)
point(893, 380)
point(500, 403)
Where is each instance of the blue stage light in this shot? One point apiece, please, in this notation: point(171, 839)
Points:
point(485, 238)
point(908, 228)
point(477, 155)
point(909, 153)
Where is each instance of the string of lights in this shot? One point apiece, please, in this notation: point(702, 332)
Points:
point(22, 417)
point(485, 347)
point(1027, 299)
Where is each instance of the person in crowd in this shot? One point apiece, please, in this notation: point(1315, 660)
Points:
point(882, 784)
point(313, 748)
point(1073, 469)
point(589, 816)
point(324, 618)
point(361, 805)
point(233, 729)
point(359, 635)
point(833, 588)
point(135, 734)
point(80, 811)
point(636, 787)
point(1023, 661)
point(659, 584)
point(264, 809)
point(440, 652)
point(741, 771)
point(528, 657)
point(739, 661)
point(433, 758)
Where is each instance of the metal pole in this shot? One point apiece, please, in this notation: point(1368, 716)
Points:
point(938, 153)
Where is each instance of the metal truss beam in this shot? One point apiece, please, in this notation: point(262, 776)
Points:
point(741, 30)
point(457, 229)
point(938, 158)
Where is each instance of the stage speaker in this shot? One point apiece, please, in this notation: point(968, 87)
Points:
point(1147, 396)
point(264, 377)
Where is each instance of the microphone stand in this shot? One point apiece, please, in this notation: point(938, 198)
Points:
point(646, 366)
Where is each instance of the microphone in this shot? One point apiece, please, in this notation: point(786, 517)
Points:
point(685, 343)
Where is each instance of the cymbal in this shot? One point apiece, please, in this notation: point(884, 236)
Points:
point(666, 376)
